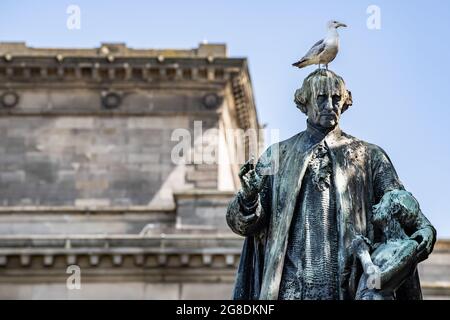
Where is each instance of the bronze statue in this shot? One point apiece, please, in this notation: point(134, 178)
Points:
point(393, 259)
point(325, 215)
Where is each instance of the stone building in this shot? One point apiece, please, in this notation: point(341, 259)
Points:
point(88, 182)
point(87, 175)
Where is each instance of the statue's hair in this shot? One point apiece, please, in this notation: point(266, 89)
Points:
point(321, 79)
point(402, 206)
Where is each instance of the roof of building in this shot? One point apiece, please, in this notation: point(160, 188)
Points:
point(14, 49)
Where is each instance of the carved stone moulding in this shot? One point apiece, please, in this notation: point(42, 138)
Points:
point(57, 260)
point(95, 70)
point(129, 251)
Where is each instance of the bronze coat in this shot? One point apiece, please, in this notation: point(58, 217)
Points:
point(362, 173)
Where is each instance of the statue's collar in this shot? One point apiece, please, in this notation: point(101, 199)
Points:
point(316, 135)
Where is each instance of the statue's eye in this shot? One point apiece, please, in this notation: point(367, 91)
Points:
point(336, 98)
point(321, 99)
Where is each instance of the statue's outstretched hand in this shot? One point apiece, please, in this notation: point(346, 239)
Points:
point(251, 181)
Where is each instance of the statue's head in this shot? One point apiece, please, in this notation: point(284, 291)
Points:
point(396, 205)
point(323, 97)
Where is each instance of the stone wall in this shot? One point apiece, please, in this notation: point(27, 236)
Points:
point(96, 160)
point(87, 176)
point(122, 290)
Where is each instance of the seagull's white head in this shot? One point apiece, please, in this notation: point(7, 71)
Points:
point(333, 24)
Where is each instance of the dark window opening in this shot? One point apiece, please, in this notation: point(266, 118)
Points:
point(187, 74)
point(35, 72)
point(86, 72)
point(171, 73)
point(202, 73)
point(219, 74)
point(137, 74)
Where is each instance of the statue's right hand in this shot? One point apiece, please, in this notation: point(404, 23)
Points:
point(251, 182)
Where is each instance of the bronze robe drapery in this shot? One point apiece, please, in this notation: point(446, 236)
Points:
point(362, 173)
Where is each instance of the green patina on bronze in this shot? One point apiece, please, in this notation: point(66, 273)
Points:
point(322, 82)
point(362, 176)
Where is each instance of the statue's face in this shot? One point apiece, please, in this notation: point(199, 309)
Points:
point(325, 110)
point(381, 211)
point(386, 210)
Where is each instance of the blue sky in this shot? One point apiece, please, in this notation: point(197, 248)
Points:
point(398, 75)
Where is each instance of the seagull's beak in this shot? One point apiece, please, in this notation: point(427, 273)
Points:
point(341, 25)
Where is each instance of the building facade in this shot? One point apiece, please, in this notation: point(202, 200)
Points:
point(116, 167)
point(115, 164)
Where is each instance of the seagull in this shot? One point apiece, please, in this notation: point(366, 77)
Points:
point(323, 51)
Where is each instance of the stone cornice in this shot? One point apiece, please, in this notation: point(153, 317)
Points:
point(127, 69)
point(91, 210)
point(185, 194)
point(116, 67)
point(203, 193)
point(97, 251)
point(244, 104)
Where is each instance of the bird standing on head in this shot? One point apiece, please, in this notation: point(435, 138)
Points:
point(323, 51)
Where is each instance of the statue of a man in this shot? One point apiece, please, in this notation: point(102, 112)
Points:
point(308, 198)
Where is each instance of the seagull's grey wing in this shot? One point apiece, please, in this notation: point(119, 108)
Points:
point(311, 57)
point(316, 49)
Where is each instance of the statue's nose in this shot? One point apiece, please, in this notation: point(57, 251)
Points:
point(329, 105)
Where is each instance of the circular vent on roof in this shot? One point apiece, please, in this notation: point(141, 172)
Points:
point(9, 99)
point(212, 100)
point(111, 100)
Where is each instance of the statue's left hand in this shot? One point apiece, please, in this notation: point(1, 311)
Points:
point(425, 239)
